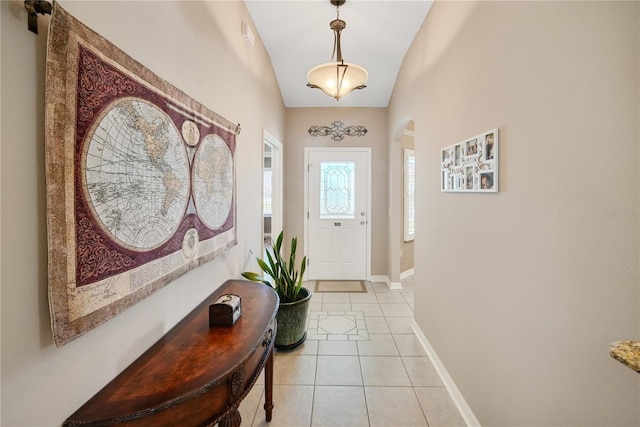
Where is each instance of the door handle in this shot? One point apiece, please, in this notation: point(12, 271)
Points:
point(363, 222)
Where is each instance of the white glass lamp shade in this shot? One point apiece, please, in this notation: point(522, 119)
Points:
point(337, 79)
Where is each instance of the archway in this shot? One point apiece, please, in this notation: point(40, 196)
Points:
point(402, 136)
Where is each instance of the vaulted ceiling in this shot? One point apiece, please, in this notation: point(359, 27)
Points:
point(297, 37)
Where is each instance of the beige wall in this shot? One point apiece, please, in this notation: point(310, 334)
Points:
point(299, 120)
point(523, 290)
point(523, 326)
point(197, 47)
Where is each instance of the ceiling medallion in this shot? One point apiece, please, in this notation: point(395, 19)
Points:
point(339, 78)
point(337, 131)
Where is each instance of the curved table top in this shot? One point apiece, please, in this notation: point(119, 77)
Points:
point(190, 359)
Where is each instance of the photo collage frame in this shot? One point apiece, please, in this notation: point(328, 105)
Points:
point(471, 165)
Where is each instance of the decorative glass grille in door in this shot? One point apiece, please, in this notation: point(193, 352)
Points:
point(337, 187)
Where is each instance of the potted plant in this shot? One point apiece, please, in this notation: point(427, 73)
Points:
point(294, 298)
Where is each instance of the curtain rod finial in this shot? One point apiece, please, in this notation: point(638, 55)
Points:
point(34, 7)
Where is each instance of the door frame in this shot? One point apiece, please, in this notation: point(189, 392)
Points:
point(367, 150)
point(277, 181)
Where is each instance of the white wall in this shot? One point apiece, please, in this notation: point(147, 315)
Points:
point(197, 47)
point(522, 291)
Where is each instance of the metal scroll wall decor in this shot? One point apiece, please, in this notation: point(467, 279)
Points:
point(337, 131)
point(140, 180)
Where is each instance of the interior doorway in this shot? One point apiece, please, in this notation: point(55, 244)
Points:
point(271, 189)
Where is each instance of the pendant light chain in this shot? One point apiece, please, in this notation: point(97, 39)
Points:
point(337, 25)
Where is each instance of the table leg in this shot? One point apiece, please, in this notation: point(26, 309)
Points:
point(268, 386)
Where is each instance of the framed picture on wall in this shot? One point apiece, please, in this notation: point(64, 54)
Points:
point(469, 178)
point(471, 165)
point(471, 148)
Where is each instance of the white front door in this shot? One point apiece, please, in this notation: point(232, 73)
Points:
point(337, 237)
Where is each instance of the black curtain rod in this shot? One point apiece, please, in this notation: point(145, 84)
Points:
point(35, 7)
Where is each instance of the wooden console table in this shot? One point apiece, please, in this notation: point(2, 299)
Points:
point(194, 375)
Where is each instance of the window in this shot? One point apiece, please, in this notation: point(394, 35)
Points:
point(337, 197)
point(409, 194)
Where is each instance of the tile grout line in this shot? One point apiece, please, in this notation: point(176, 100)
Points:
point(426, 419)
point(315, 381)
point(364, 390)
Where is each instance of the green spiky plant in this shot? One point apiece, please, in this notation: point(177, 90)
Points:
point(287, 281)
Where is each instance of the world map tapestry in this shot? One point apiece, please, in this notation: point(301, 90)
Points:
point(140, 180)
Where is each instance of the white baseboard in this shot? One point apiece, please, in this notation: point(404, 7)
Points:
point(466, 412)
point(394, 285)
point(385, 279)
point(406, 274)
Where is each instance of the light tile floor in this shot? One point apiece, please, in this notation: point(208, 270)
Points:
point(361, 365)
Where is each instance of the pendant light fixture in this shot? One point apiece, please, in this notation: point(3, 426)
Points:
point(339, 78)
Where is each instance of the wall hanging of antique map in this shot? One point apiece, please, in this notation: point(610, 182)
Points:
point(140, 180)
